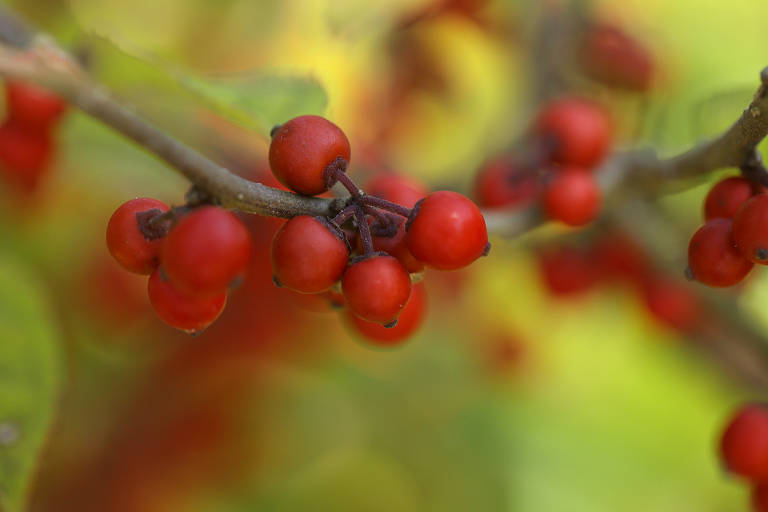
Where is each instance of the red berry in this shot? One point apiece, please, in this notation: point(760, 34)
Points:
point(500, 183)
point(177, 309)
point(447, 231)
point(566, 271)
point(307, 256)
point(619, 257)
point(205, 251)
point(760, 497)
point(725, 198)
point(397, 246)
point(572, 197)
point(136, 250)
point(24, 154)
point(750, 229)
point(376, 288)
point(671, 303)
point(614, 58)
point(302, 149)
point(32, 106)
point(407, 323)
point(579, 130)
point(744, 443)
point(713, 258)
point(403, 190)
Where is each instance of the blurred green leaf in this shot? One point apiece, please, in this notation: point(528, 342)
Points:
point(29, 379)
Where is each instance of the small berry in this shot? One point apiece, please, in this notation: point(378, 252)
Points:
point(177, 309)
point(671, 303)
point(32, 106)
point(376, 288)
point(713, 258)
point(744, 443)
point(302, 149)
point(725, 198)
point(24, 154)
point(447, 231)
point(307, 256)
point(579, 130)
point(133, 248)
point(750, 229)
point(407, 323)
point(572, 197)
point(614, 58)
point(760, 497)
point(502, 184)
point(205, 251)
point(397, 188)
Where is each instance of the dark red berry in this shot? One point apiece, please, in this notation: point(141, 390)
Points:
point(744, 443)
point(614, 58)
point(750, 229)
point(302, 149)
point(397, 188)
point(32, 106)
point(185, 312)
point(407, 323)
point(578, 129)
point(725, 198)
point(671, 303)
point(567, 271)
point(397, 246)
point(307, 256)
point(760, 497)
point(713, 258)
point(136, 250)
point(376, 288)
point(205, 251)
point(24, 154)
point(447, 231)
point(501, 183)
point(572, 196)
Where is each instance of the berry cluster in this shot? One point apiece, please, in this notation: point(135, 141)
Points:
point(723, 251)
point(192, 257)
point(571, 136)
point(369, 249)
point(26, 135)
point(744, 450)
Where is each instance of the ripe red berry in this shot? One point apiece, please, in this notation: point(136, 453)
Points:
point(24, 154)
point(447, 231)
point(713, 258)
point(307, 256)
point(579, 130)
point(407, 323)
point(725, 198)
point(750, 229)
point(671, 303)
point(302, 149)
point(501, 183)
point(376, 288)
point(614, 58)
point(31, 106)
point(400, 189)
point(567, 271)
point(760, 497)
point(744, 443)
point(136, 250)
point(177, 309)
point(572, 197)
point(205, 251)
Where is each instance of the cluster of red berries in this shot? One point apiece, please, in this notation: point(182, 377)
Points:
point(572, 136)
point(744, 450)
point(734, 237)
point(192, 257)
point(26, 135)
point(363, 257)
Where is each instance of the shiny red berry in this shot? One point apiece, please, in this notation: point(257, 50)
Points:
point(408, 322)
point(726, 197)
point(205, 251)
point(397, 188)
point(307, 256)
point(579, 131)
point(31, 106)
point(188, 313)
point(572, 196)
point(713, 258)
point(750, 229)
point(302, 149)
point(614, 58)
point(503, 184)
point(759, 497)
point(376, 288)
point(447, 231)
point(744, 443)
point(130, 237)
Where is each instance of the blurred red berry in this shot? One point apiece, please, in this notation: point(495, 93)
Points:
point(713, 258)
point(31, 106)
point(502, 184)
point(188, 313)
point(611, 56)
point(744, 443)
point(750, 229)
point(726, 197)
point(572, 197)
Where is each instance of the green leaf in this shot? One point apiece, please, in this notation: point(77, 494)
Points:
point(30, 373)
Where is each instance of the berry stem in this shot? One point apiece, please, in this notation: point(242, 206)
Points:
point(365, 229)
point(383, 204)
point(341, 176)
point(344, 215)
